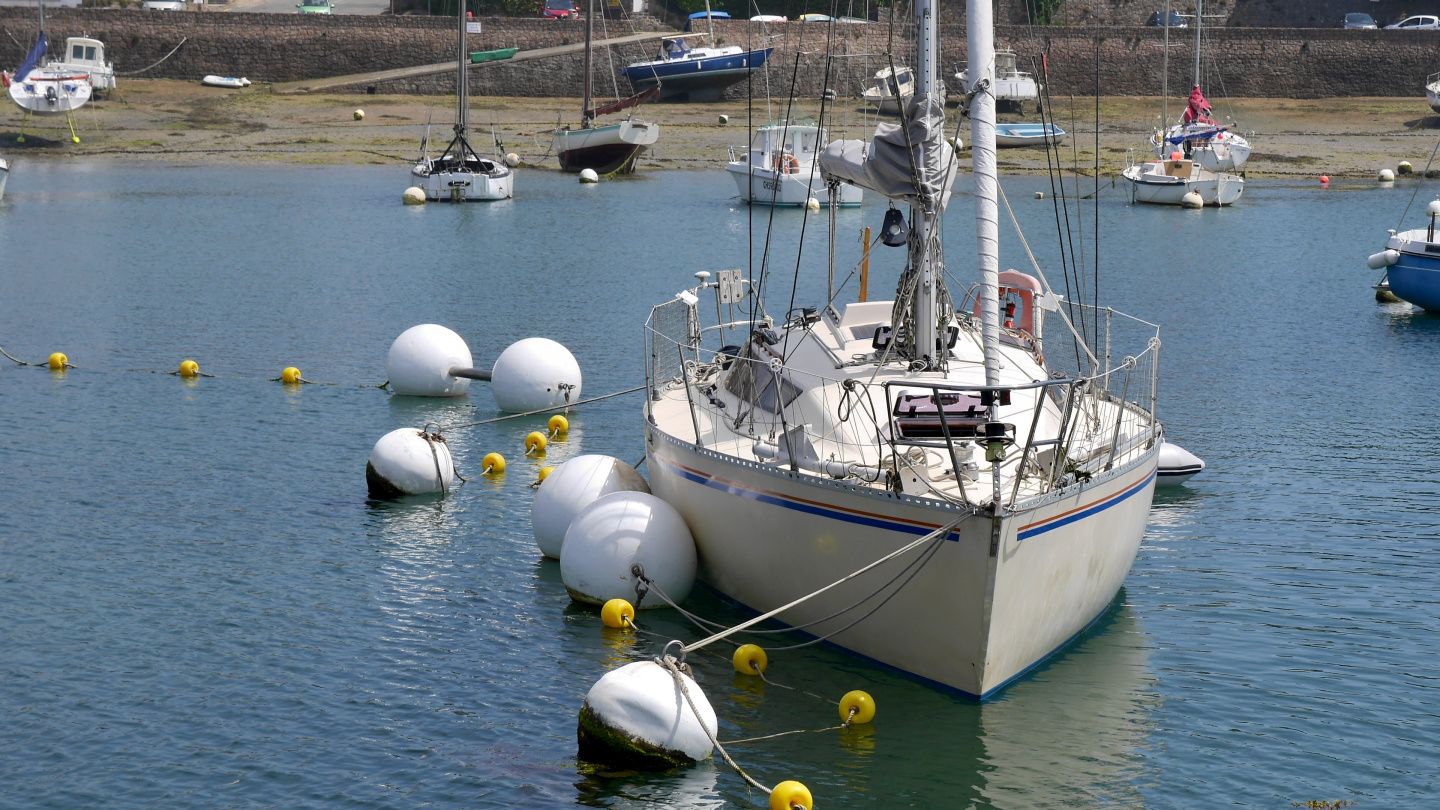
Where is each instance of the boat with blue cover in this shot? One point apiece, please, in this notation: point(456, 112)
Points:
point(683, 73)
point(1413, 262)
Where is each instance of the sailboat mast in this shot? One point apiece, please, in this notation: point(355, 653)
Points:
point(1165, 75)
point(462, 85)
point(1199, 18)
point(980, 32)
point(709, 24)
point(589, 39)
point(924, 217)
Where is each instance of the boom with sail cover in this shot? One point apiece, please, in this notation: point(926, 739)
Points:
point(884, 166)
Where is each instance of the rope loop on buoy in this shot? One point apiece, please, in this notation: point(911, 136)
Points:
point(438, 438)
point(669, 663)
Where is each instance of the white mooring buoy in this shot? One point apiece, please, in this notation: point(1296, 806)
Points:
point(1192, 199)
point(617, 531)
point(589, 176)
point(535, 373)
point(637, 717)
point(571, 487)
point(512, 160)
point(405, 462)
point(421, 359)
point(413, 196)
point(1387, 175)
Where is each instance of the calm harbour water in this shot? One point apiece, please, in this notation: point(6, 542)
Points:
point(199, 607)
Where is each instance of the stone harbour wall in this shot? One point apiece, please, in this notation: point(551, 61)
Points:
point(1238, 62)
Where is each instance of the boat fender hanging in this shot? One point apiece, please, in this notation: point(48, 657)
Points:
point(1383, 259)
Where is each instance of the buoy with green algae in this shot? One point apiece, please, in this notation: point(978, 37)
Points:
point(359, 115)
point(636, 717)
point(413, 196)
point(571, 487)
point(589, 176)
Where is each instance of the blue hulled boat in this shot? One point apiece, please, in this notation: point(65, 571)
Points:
point(1413, 259)
point(694, 74)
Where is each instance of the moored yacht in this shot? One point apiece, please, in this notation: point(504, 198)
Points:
point(780, 168)
point(1166, 182)
point(802, 448)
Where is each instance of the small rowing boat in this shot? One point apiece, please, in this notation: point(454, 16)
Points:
point(1028, 134)
point(225, 81)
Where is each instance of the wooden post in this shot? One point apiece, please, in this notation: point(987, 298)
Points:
point(865, 268)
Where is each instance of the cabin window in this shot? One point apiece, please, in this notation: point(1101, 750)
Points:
point(79, 52)
point(90, 53)
point(752, 381)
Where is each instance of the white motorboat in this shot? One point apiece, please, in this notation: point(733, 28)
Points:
point(84, 55)
point(225, 81)
point(1017, 487)
point(1166, 182)
point(1197, 137)
point(4, 176)
point(780, 168)
point(460, 174)
point(611, 148)
point(1013, 87)
point(888, 85)
point(1432, 91)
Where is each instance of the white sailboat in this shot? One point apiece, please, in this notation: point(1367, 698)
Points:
point(1198, 137)
point(47, 91)
point(1432, 91)
point(608, 149)
point(1173, 176)
point(833, 437)
point(460, 174)
point(779, 167)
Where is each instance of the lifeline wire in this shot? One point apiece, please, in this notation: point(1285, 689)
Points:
point(943, 531)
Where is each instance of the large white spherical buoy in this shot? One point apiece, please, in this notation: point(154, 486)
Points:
point(621, 529)
point(637, 717)
point(535, 373)
point(812, 204)
point(589, 176)
point(1404, 167)
point(404, 462)
point(1387, 176)
point(512, 160)
point(359, 115)
point(420, 360)
point(1177, 465)
point(413, 196)
point(1433, 209)
point(570, 488)
point(1192, 199)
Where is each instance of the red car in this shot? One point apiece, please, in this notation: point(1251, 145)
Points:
point(560, 10)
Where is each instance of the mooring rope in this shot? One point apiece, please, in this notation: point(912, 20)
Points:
point(943, 531)
point(669, 663)
point(183, 40)
point(566, 406)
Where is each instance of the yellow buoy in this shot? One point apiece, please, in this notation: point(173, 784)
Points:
point(791, 795)
point(58, 361)
point(750, 659)
point(189, 368)
point(535, 443)
point(861, 702)
point(559, 425)
point(493, 463)
point(290, 375)
point(544, 473)
point(616, 613)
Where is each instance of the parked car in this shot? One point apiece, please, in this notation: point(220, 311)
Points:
point(316, 7)
point(1158, 20)
point(163, 5)
point(767, 18)
point(1358, 20)
point(1418, 22)
point(698, 18)
point(815, 18)
point(560, 10)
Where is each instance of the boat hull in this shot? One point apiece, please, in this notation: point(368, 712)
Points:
point(610, 149)
point(44, 93)
point(4, 176)
point(766, 536)
point(767, 187)
point(445, 186)
point(1019, 135)
point(1416, 279)
point(1432, 96)
point(700, 80)
point(1217, 191)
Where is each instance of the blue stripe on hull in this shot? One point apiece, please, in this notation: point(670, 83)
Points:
point(1417, 280)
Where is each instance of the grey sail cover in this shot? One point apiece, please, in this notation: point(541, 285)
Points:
point(885, 167)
